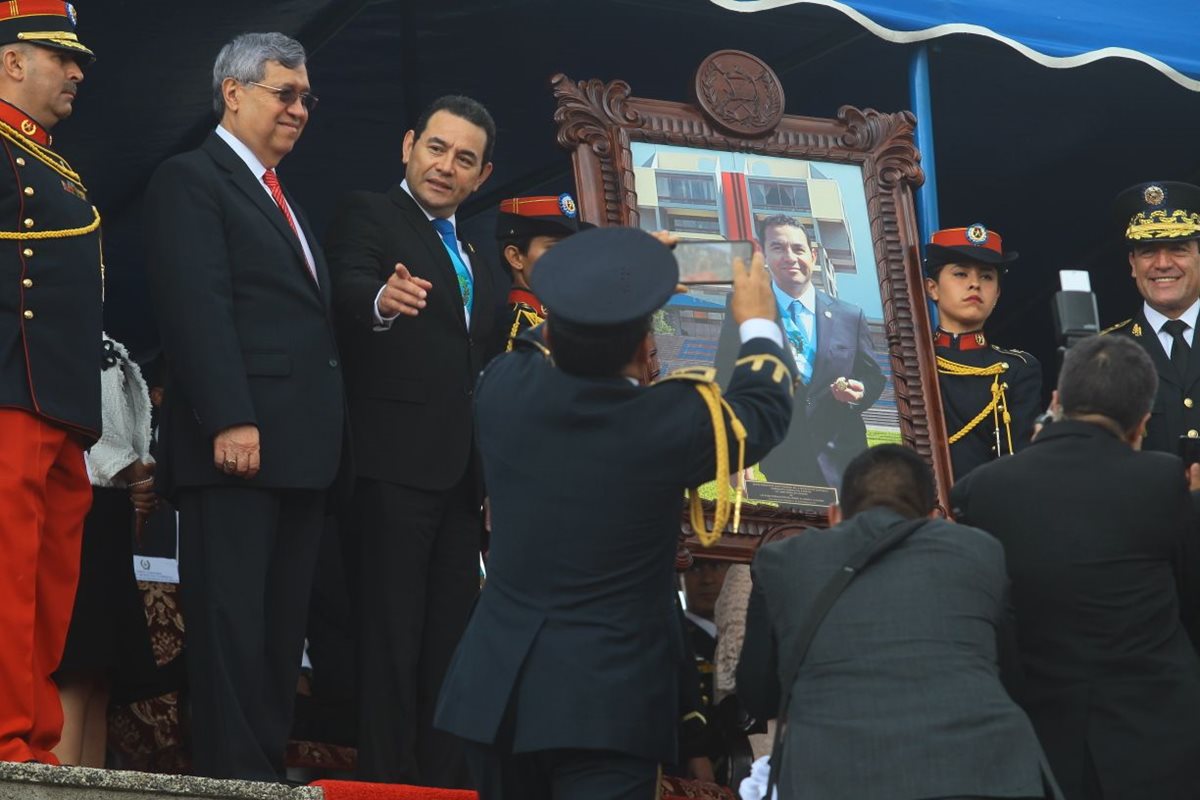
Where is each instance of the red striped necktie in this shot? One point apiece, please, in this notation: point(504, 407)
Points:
point(272, 182)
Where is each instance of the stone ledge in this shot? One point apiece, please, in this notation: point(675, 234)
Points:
point(43, 782)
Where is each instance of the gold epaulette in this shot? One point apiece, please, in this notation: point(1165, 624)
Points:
point(530, 317)
point(527, 342)
point(690, 375)
point(43, 154)
point(1116, 327)
point(781, 371)
point(1021, 354)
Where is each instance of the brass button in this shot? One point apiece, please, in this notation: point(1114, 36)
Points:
point(27, 252)
point(1187, 402)
point(27, 283)
point(1193, 433)
point(29, 315)
point(29, 191)
point(20, 161)
point(29, 222)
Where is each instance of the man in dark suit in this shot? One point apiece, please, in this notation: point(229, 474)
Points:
point(565, 684)
point(831, 345)
point(251, 431)
point(899, 696)
point(1160, 223)
point(1101, 544)
point(417, 314)
point(51, 279)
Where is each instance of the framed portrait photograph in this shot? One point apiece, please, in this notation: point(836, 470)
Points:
point(828, 202)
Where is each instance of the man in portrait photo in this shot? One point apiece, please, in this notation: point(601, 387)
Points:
point(831, 344)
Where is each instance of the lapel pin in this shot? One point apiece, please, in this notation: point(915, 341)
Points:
point(1137, 329)
point(828, 314)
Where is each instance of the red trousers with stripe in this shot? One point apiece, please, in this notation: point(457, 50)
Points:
point(44, 496)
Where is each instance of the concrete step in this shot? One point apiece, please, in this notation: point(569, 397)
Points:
point(42, 782)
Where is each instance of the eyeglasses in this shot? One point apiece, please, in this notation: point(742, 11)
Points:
point(289, 95)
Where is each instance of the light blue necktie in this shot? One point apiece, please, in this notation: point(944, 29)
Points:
point(445, 229)
point(800, 314)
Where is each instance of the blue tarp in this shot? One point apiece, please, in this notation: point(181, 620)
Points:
point(1056, 33)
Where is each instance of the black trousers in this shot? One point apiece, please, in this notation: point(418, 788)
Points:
point(417, 579)
point(566, 774)
point(247, 558)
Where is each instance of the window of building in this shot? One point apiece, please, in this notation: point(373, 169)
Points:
point(699, 190)
point(776, 195)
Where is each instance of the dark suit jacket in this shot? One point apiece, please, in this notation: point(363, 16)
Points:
point(247, 333)
point(1101, 547)
point(828, 434)
point(577, 633)
point(1170, 417)
point(410, 386)
point(899, 697)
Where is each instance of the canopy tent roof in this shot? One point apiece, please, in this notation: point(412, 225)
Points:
point(1064, 33)
point(1036, 154)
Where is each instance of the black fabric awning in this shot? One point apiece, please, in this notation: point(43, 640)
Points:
point(1038, 160)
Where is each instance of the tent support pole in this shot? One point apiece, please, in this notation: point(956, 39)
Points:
point(922, 106)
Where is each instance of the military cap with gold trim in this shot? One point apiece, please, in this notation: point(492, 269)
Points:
point(49, 23)
point(1158, 211)
point(543, 215)
point(972, 243)
point(606, 276)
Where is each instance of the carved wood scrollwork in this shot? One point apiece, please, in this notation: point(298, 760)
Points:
point(598, 121)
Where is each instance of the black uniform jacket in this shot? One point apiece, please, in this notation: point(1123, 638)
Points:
point(965, 396)
point(1176, 410)
point(577, 632)
point(50, 305)
point(410, 386)
point(1101, 545)
point(246, 331)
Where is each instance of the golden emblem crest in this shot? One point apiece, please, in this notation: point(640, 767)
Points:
point(1154, 195)
point(979, 340)
point(977, 234)
point(28, 127)
point(1136, 330)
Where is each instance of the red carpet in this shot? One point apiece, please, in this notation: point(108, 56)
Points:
point(672, 789)
point(354, 790)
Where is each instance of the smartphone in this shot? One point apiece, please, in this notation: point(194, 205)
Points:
point(1189, 450)
point(710, 262)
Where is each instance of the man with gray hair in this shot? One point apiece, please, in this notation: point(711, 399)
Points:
point(253, 421)
point(1101, 545)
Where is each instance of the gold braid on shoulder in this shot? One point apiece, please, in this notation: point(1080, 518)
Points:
point(44, 154)
point(717, 408)
point(998, 407)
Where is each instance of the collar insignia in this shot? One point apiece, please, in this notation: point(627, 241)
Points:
point(1136, 330)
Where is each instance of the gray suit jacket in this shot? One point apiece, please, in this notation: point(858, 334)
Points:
point(900, 696)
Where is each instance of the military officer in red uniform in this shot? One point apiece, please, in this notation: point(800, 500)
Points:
point(526, 228)
point(990, 395)
point(50, 309)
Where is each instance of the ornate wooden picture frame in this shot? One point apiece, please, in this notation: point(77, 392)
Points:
point(848, 183)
